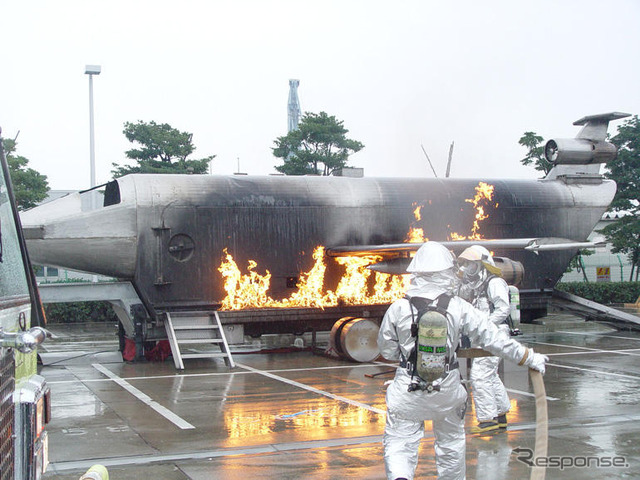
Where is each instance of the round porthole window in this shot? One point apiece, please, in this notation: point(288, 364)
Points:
point(181, 247)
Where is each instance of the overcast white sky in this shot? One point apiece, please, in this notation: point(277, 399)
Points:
point(398, 73)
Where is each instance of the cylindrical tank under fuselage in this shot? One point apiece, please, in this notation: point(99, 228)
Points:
point(167, 233)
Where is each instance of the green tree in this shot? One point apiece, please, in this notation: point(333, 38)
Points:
point(576, 263)
point(29, 186)
point(318, 147)
point(624, 235)
point(535, 144)
point(535, 156)
point(163, 149)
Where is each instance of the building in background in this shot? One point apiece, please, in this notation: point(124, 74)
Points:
point(602, 266)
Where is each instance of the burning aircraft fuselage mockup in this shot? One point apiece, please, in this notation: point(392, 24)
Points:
point(179, 238)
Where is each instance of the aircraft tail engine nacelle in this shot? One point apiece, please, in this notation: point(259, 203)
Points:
point(578, 151)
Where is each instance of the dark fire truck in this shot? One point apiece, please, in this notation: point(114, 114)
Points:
point(25, 402)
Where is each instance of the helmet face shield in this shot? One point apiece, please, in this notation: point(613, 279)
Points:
point(469, 270)
point(483, 260)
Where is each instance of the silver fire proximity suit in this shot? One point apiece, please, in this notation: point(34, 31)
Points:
point(489, 394)
point(488, 293)
point(407, 411)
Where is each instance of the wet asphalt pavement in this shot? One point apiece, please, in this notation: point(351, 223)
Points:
point(299, 415)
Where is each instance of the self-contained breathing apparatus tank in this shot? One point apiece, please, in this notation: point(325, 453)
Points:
point(514, 305)
point(432, 345)
point(430, 356)
point(514, 311)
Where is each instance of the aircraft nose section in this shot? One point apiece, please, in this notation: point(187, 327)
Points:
point(78, 233)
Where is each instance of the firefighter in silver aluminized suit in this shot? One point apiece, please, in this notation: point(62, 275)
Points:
point(484, 288)
point(433, 272)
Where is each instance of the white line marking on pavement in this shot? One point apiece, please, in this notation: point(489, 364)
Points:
point(144, 398)
point(596, 334)
point(313, 389)
point(592, 350)
point(560, 425)
point(527, 394)
point(565, 354)
point(211, 374)
point(269, 449)
point(608, 374)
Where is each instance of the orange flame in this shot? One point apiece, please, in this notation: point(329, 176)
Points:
point(243, 291)
point(484, 194)
point(416, 234)
point(358, 285)
point(250, 290)
point(417, 212)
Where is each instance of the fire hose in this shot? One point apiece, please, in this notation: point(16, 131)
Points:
point(542, 420)
point(542, 423)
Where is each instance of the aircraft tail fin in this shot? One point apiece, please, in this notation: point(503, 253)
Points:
point(583, 154)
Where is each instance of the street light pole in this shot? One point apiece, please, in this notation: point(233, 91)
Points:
point(92, 70)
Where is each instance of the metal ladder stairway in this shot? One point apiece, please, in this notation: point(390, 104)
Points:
point(196, 328)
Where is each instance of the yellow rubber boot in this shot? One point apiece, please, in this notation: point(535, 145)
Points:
point(484, 427)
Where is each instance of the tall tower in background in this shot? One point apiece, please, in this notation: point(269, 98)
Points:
point(293, 105)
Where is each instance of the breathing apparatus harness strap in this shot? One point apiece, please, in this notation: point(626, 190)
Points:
point(451, 362)
point(482, 290)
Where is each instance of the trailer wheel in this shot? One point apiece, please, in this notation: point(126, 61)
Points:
point(355, 339)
